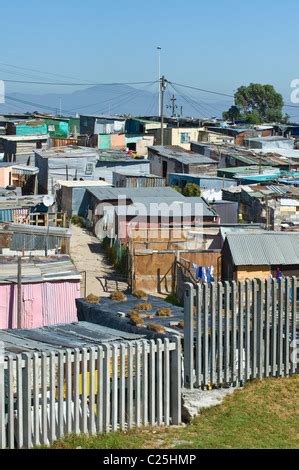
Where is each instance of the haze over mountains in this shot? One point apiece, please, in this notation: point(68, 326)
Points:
point(112, 99)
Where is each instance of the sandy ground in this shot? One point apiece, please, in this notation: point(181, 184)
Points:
point(87, 255)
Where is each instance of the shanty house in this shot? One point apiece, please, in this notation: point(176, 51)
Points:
point(260, 255)
point(49, 287)
point(165, 160)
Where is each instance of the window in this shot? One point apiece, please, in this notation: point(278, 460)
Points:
point(89, 169)
point(185, 138)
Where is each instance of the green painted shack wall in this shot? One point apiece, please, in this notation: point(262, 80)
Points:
point(23, 129)
point(104, 141)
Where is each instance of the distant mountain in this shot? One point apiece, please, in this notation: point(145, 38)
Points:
point(108, 99)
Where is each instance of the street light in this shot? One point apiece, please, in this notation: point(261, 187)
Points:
point(159, 72)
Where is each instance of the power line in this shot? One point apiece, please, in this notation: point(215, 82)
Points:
point(77, 84)
point(201, 89)
point(37, 71)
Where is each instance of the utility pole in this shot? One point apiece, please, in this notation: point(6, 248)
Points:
point(19, 305)
point(163, 87)
point(173, 105)
point(159, 75)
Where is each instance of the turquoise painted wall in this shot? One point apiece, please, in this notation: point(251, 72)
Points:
point(104, 141)
point(22, 129)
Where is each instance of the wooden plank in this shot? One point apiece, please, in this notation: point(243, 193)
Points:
point(198, 365)
point(220, 333)
point(130, 386)
point(152, 381)
point(234, 332)
point(145, 382)
point(241, 333)
point(206, 335)
point(100, 391)
point(44, 390)
point(122, 386)
point(11, 420)
point(247, 331)
point(166, 381)
point(274, 329)
point(213, 333)
point(188, 335)
point(114, 387)
point(138, 383)
point(60, 393)
point(76, 398)
point(267, 328)
point(92, 375)
point(159, 383)
point(52, 421)
point(68, 374)
point(227, 333)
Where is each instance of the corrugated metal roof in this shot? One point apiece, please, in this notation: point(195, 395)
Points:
point(267, 248)
point(38, 269)
point(186, 158)
point(103, 194)
point(55, 338)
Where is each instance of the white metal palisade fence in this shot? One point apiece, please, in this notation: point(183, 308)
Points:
point(45, 396)
point(235, 332)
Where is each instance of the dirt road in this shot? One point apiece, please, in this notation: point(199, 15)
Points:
point(88, 255)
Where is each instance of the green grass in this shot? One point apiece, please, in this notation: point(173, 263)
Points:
point(265, 414)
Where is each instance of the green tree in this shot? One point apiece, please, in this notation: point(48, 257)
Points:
point(191, 190)
point(232, 114)
point(259, 103)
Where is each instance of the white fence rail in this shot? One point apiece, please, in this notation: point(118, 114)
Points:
point(235, 332)
point(44, 397)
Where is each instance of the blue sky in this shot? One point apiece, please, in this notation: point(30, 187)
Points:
point(218, 45)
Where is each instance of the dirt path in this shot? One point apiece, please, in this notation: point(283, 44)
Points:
point(88, 255)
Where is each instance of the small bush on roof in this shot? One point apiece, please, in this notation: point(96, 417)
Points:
point(164, 312)
point(156, 327)
point(144, 306)
point(137, 320)
point(93, 299)
point(118, 296)
point(140, 294)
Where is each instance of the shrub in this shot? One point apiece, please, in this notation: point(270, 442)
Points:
point(77, 220)
point(137, 320)
point(155, 327)
point(140, 294)
point(133, 313)
point(172, 299)
point(92, 299)
point(145, 306)
point(118, 296)
point(164, 312)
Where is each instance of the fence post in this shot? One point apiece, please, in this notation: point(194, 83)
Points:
point(294, 320)
point(176, 383)
point(241, 332)
point(254, 329)
point(234, 332)
point(2, 399)
point(206, 374)
point(188, 336)
point(198, 362)
point(267, 328)
point(260, 329)
point(26, 372)
point(287, 338)
point(281, 290)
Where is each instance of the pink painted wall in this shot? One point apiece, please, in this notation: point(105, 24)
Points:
point(118, 141)
point(4, 176)
point(43, 304)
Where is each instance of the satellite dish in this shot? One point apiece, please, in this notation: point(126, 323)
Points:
point(48, 200)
